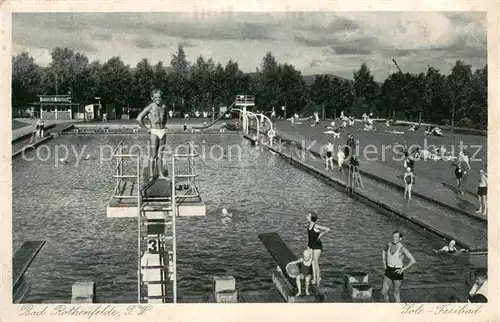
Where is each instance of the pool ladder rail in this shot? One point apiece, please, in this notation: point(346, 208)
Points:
point(157, 251)
point(351, 181)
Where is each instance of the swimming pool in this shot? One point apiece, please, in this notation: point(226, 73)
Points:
point(66, 206)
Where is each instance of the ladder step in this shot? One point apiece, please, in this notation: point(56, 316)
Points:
point(186, 175)
point(157, 206)
point(162, 267)
point(154, 282)
point(147, 222)
point(159, 252)
point(157, 237)
point(155, 297)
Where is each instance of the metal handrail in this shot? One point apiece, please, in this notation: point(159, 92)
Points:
point(118, 164)
point(119, 144)
point(187, 196)
point(180, 155)
point(139, 197)
point(174, 237)
point(124, 197)
point(350, 178)
point(127, 155)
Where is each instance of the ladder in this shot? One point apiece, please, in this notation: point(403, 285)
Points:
point(156, 244)
point(351, 181)
point(159, 254)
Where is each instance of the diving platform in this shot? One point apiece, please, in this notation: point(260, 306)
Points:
point(156, 196)
point(155, 193)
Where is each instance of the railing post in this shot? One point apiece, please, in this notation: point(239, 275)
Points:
point(190, 151)
point(138, 229)
point(121, 159)
point(174, 238)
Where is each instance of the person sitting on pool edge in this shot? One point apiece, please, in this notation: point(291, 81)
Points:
point(305, 271)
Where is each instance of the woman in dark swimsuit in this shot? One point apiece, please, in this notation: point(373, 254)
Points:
point(459, 174)
point(314, 233)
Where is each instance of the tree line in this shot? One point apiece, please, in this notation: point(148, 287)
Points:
point(459, 97)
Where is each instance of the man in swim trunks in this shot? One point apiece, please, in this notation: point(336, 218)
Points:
point(482, 191)
point(392, 258)
point(157, 116)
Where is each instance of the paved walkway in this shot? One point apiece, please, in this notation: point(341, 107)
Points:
point(25, 142)
point(432, 190)
point(467, 231)
point(22, 131)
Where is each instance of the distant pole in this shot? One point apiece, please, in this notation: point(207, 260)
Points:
point(57, 90)
point(452, 120)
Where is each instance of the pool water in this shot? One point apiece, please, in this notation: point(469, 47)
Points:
point(66, 206)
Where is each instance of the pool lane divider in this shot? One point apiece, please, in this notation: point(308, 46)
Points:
point(43, 140)
point(392, 184)
point(367, 198)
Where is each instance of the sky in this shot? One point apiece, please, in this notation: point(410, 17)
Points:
point(334, 43)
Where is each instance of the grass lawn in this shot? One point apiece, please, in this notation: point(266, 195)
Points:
point(17, 124)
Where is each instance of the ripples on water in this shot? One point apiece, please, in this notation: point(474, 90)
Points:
point(66, 206)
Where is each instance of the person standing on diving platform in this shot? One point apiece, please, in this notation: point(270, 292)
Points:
point(157, 116)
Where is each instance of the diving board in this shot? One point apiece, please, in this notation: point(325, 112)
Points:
point(21, 261)
point(156, 196)
point(283, 255)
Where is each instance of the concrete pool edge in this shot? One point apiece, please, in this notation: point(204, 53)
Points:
point(392, 184)
point(369, 200)
point(27, 135)
point(49, 137)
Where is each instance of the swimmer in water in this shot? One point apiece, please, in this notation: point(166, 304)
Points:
point(451, 248)
point(157, 116)
point(226, 216)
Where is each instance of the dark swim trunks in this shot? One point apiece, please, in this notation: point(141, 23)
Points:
point(482, 191)
point(390, 272)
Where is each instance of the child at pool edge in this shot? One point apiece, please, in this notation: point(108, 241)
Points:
point(305, 271)
point(409, 180)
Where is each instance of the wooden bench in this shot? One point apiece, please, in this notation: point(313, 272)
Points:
point(21, 261)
